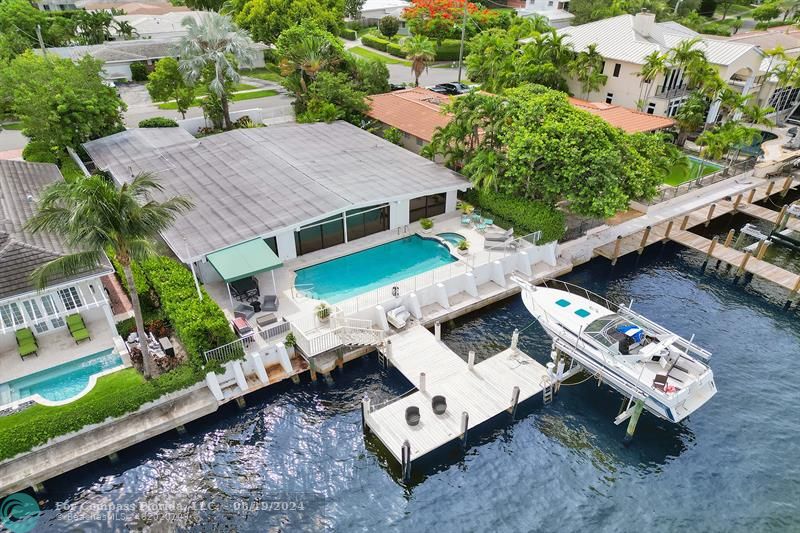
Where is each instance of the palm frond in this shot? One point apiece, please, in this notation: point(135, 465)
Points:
point(68, 265)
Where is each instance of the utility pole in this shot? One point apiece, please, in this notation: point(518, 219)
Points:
point(41, 41)
point(463, 34)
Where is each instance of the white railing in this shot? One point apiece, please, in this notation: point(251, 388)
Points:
point(274, 330)
point(232, 350)
point(354, 331)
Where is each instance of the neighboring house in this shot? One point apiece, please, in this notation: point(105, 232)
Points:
point(298, 188)
point(44, 312)
point(374, 10)
point(417, 113)
point(55, 5)
point(556, 12)
point(133, 8)
point(117, 56)
point(158, 26)
point(626, 40)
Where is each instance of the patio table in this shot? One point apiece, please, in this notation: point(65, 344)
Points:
point(246, 289)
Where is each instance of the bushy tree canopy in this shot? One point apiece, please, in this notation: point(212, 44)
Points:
point(61, 103)
point(531, 142)
point(267, 19)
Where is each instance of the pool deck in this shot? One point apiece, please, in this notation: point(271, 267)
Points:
point(482, 391)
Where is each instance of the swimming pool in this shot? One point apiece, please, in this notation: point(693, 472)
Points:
point(60, 382)
point(452, 238)
point(345, 277)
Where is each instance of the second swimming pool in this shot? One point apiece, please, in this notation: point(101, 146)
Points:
point(345, 277)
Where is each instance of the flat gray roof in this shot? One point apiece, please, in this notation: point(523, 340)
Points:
point(21, 251)
point(251, 183)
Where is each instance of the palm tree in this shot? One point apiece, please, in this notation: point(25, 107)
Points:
point(215, 42)
point(691, 116)
point(557, 50)
point(93, 215)
point(587, 67)
point(125, 29)
point(420, 51)
point(685, 53)
point(655, 65)
point(310, 56)
point(757, 115)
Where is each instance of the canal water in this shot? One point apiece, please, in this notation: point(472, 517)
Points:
point(732, 466)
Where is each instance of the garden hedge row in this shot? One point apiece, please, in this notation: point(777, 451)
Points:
point(350, 35)
point(158, 122)
point(199, 324)
point(526, 216)
point(114, 395)
point(446, 51)
point(375, 42)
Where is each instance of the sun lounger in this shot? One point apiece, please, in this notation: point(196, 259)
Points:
point(398, 317)
point(26, 343)
point(77, 328)
point(499, 236)
point(245, 311)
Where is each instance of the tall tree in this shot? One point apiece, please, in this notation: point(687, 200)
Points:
point(93, 215)
point(420, 51)
point(267, 19)
point(587, 69)
point(655, 64)
point(125, 29)
point(305, 51)
point(352, 8)
point(61, 103)
point(691, 116)
point(167, 83)
point(215, 43)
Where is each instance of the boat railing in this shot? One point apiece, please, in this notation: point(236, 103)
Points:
point(552, 283)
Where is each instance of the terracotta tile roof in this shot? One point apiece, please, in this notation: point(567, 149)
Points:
point(415, 111)
point(628, 120)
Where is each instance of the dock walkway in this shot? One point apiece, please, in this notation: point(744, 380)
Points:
point(483, 391)
point(769, 215)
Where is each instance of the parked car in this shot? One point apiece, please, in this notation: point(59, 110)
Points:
point(452, 88)
point(396, 86)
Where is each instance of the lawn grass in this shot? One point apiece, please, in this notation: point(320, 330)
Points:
point(236, 97)
point(114, 395)
point(369, 54)
point(269, 73)
point(677, 175)
point(16, 126)
point(202, 91)
point(365, 30)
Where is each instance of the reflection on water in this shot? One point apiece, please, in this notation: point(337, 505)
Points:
point(731, 466)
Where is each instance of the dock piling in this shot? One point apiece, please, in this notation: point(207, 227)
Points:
point(365, 407)
point(617, 246)
point(181, 430)
point(792, 295)
point(684, 223)
point(669, 230)
point(514, 401)
point(422, 382)
point(471, 360)
point(742, 266)
point(710, 252)
point(644, 239)
point(787, 184)
point(736, 202)
point(770, 187)
point(751, 195)
point(637, 411)
point(515, 339)
point(437, 330)
point(113, 458)
point(464, 427)
point(240, 403)
point(405, 454)
point(710, 214)
point(762, 249)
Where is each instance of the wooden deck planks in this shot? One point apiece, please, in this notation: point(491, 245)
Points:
point(483, 392)
point(769, 215)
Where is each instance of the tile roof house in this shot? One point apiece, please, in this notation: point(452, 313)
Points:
point(417, 113)
point(626, 40)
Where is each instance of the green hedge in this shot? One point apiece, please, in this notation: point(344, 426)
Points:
point(199, 324)
point(396, 50)
point(350, 35)
point(138, 71)
point(448, 50)
point(114, 395)
point(375, 42)
point(526, 216)
point(158, 122)
point(139, 278)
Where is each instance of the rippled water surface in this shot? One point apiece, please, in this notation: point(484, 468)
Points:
point(733, 466)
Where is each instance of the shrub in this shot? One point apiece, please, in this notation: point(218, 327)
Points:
point(448, 50)
point(158, 122)
point(375, 42)
point(350, 35)
point(113, 396)
point(715, 28)
point(525, 216)
point(139, 278)
point(393, 135)
point(39, 152)
point(389, 26)
point(199, 324)
point(426, 223)
point(138, 71)
point(395, 49)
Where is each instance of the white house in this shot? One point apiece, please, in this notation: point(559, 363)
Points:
point(374, 10)
point(626, 40)
point(158, 25)
point(556, 12)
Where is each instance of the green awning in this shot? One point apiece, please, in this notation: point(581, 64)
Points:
point(244, 260)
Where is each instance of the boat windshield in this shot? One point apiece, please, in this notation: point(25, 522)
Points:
point(617, 333)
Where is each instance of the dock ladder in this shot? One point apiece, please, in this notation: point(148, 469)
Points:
point(547, 391)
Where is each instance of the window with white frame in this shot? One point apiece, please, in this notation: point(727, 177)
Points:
point(52, 311)
point(70, 298)
point(11, 315)
point(651, 108)
point(609, 97)
point(674, 105)
point(35, 315)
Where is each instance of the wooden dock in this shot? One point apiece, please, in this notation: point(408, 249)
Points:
point(769, 215)
point(482, 391)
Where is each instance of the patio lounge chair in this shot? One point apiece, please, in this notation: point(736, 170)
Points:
point(269, 302)
point(77, 328)
point(499, 236)
point(398, 317)
point(26, 343)
point(466, 220)
point(245, 311)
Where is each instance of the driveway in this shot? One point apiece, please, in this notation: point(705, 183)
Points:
point(11, 144)
point(431, 76)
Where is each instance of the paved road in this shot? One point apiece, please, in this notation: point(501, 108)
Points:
point(141, 107)
point(12, 140)
point(432, 76)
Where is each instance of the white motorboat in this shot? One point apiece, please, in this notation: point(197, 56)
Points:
point(635, 356)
